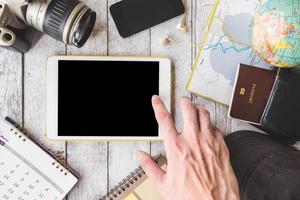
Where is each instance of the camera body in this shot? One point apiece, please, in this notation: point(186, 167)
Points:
point(69, 21)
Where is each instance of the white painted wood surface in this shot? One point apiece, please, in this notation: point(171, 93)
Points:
point(102, 165)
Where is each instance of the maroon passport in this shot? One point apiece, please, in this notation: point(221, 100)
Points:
point(253, 87)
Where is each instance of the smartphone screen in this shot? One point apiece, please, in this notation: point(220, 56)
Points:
point(133, 16)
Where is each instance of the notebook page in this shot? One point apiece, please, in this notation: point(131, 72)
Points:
point(27, 172)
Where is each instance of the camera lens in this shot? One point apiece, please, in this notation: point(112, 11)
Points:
point(69, 21)
point(83, 28)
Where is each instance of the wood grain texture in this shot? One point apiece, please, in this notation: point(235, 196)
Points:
point(89, 159)
point(101, 165)
point(223, 122)
point(35, 88)
point(122, 158)
point(11, 85)
point(237, 125)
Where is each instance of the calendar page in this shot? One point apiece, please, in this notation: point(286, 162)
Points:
point(28, 172)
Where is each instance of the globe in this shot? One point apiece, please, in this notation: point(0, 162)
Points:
point(276, 32)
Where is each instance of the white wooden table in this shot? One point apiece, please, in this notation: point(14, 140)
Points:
point(101, 165)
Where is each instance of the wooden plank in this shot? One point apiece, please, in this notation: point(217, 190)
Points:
point(180, 54)
point(35, 88)
point(237, 125)
point(223, 122)
point(89, 159)
point(11, 85)
point(122, 158)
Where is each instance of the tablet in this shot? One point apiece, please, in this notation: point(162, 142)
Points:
point(105, 98)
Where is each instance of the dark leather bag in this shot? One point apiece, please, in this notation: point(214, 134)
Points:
point(265, 169)
point(281, 117)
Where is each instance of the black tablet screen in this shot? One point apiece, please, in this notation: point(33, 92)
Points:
point(107, 98)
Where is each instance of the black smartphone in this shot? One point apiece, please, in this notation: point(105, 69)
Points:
point(133, 16)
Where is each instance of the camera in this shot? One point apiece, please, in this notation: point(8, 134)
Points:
point(69, 21)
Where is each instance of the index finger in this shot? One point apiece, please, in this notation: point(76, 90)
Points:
point(164, 119)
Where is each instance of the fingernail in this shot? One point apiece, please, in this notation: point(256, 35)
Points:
point(155, 97)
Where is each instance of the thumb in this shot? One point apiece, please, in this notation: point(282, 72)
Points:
point(152, 170)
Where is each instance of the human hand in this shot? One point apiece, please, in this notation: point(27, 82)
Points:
point(198, 159)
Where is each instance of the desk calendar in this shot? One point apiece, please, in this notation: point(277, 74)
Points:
point(28, 171)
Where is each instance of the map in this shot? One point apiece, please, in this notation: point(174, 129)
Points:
point(227, 43)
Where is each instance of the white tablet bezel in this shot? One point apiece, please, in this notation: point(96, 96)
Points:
point(52, 95)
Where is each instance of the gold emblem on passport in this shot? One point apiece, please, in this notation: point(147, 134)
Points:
point(242, 91)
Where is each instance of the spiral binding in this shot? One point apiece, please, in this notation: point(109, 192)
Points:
point(14, 126)
point(125, 184)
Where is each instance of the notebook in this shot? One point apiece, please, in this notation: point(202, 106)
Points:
point(27, 170)
point(136, 186)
